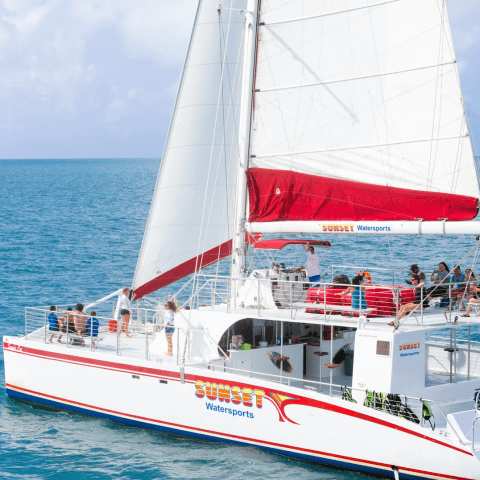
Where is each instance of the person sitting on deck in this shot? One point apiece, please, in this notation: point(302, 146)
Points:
point(459, 279)
point(468, 289)
point(68, 321)
point(415, 304)
point(79, 320)
point(54, 323)
point(312, 265)
point(440, 279)
point(415, 270)
point(358, 293)
point(91, 327)
point(474, 300)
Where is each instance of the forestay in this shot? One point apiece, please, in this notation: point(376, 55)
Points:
point(359, 114)
point(191, 217)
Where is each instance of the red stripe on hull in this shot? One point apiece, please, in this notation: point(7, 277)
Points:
point(234, 437)
point(282, 195)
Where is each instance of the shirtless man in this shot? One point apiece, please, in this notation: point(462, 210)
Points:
point(79, 320)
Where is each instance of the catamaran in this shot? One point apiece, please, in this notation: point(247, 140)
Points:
point(293, 117)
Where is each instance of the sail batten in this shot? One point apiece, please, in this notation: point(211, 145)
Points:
point(359, 147)
point(339, 12)
point(352, 79)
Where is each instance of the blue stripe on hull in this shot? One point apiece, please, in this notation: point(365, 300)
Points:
point(176, 431)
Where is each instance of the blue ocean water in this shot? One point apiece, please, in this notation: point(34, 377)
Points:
point(71, 230)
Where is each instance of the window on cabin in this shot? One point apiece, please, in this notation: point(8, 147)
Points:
point(383, 348)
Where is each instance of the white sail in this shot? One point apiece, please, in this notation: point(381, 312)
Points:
point(191, 217)
point(365, 91)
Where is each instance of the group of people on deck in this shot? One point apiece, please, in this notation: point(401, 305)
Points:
point(76, 322)
point(459, 287)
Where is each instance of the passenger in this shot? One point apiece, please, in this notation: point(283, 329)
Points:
point(460, 280)
point(440, 279)
point(79, 319)
point(91, 327)
point(68, 322)
point(471, 284)
point(415, 304)
point(341, 279)
point(358, 293)
point(54, 323)
point(312, 265)
point(415, 270)
point(169, 319)
point(474, 300)
point(125, 311)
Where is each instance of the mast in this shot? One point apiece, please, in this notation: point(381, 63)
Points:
point(238, 245)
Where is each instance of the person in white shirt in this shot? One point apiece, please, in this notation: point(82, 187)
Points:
point(312, 265)
point(125, 311)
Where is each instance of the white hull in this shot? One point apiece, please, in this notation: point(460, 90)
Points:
point(297, 423)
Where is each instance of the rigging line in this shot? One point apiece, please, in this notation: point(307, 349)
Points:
point(351, 79)
point(305, 152)
point(222, 84)
point(234, 133)
point(220, 37)
point(440, 47)
point(195, 282)
point(456, 173)
point(225, 56)
point(232, 105)
point(299, 103)
point(299, 19)
point(394, 280)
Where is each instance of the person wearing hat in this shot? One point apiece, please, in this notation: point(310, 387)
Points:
point(414, 270)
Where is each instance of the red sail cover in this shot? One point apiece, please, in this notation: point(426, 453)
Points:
point(283, 195)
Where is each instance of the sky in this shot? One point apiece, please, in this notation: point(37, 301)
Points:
point(98, 78)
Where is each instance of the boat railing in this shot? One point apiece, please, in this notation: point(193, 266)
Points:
point(110, 336)
point(267, 293)
point(37, 327)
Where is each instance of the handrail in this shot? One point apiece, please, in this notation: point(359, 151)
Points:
point(473, 432)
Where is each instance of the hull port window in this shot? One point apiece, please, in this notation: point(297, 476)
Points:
point(383, 348)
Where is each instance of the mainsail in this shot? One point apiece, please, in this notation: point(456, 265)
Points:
point(358, 114)
point(190, 221)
